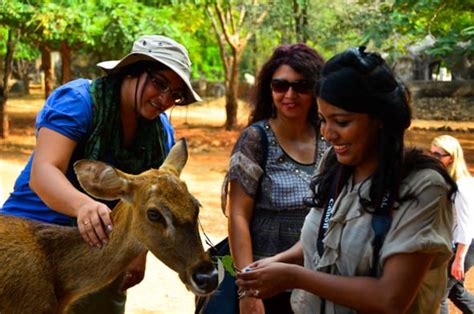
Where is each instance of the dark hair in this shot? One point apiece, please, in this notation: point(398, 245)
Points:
point(362, 82)
point(137, 68)
point(301, 58)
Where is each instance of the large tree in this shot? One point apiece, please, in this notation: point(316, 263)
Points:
point(12, 38)
point(49, 26)
point(234, 24)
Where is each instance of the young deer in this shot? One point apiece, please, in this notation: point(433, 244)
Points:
point(44, 268)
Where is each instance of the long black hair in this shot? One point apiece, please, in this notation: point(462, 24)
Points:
point(362, 82)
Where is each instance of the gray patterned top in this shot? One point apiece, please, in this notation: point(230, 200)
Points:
point(279, 189)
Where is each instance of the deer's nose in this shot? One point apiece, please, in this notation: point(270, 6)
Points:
point(205, 277)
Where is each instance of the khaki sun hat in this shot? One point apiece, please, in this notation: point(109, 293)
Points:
point(162, 49)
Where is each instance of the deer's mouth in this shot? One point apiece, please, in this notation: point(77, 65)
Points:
point(203, 279)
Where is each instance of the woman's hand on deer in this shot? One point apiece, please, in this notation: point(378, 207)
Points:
point(94, 222)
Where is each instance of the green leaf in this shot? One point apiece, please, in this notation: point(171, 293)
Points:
point(228, 263)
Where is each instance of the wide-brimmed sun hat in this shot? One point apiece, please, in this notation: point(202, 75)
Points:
point(162, 49)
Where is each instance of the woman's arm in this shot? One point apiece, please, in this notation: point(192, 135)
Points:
point(463, 234)
point(293, 255)
point(241, 212)
point(391, 293)
point(52, 155)
point(240, 239)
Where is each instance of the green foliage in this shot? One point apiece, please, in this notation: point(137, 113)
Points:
point(106, 29)
point(228, 263)
point(450, 22)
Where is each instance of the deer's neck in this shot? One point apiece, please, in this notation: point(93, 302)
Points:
point(79, 268)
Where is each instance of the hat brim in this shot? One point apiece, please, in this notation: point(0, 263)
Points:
point(113, 66)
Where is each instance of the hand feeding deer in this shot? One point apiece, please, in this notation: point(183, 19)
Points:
point(45, 268)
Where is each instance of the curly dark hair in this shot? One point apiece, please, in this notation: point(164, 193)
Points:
point(362, 82)
point(301, 58)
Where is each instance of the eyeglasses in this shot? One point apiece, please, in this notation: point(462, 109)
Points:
point(300, 86)
point(439, 155)
point(163, 85)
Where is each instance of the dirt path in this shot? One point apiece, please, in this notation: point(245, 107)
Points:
point(209, 145)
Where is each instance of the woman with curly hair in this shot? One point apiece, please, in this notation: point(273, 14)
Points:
point(272, 164)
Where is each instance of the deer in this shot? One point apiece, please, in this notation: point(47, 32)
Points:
point(44, 268)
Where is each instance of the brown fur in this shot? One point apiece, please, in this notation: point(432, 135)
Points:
point(44, 267)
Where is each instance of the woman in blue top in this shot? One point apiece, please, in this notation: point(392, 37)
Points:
point(119, 119)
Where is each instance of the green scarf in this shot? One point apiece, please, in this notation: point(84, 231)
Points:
point(105, 141)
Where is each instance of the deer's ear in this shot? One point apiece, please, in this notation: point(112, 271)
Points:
point(102, 180)
point(177, 158)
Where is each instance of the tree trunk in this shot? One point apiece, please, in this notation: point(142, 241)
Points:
point(229, 31)
point(65, 63)
point(46, 66)
point(300, 11)
point(232, 93)
point(21, 68)
point(255, 49)
point(4, 128)
point(26, 83)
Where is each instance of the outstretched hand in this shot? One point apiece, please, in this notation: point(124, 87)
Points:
point(94, 222)
point(266, 278)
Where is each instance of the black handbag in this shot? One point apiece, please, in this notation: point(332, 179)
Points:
point(224, 300)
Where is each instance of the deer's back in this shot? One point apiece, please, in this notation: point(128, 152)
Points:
point(21, 257)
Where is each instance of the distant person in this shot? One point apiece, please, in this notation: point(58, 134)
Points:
point(119, 119)
point(272, 163)
point(448, 150)
point(378, 238)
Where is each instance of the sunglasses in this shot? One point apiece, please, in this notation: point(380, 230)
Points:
point(438, 155)
point(163, 85)
point(300, 86)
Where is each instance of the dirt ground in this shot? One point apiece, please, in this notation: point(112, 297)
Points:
point(209, 147)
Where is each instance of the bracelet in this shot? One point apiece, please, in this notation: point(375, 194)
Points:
point(242, 293)
point(248, 293)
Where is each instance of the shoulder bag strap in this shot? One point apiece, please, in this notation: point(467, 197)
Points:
point(263, 144)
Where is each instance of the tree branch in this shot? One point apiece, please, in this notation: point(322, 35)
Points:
point(222, 43)
point(225, 30)
point(256, 24)
point(243, 12)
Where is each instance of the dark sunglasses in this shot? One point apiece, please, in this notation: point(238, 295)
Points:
point(300, 86)
point(438, 155)
point(163, 85)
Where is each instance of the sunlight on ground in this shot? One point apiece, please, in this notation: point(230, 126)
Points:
point(9, 171)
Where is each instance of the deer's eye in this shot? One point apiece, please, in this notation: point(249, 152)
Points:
point(155, 216)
